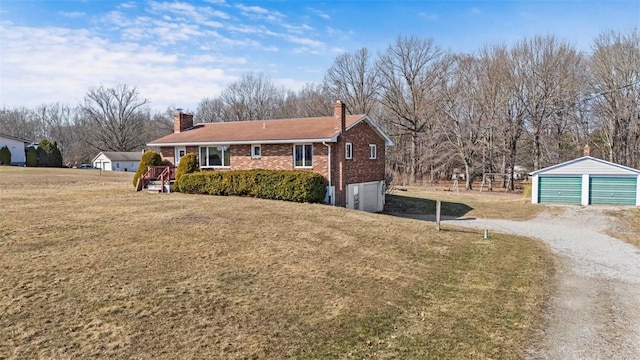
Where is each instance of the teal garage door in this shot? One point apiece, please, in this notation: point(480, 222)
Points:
point(560, 190)
point(612, 190)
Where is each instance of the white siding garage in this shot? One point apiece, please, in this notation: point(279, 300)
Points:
point(367, 196)
point(117, 161)
point(16, 147)
point(586, 181)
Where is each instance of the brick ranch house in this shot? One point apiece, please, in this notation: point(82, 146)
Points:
point(348, 150)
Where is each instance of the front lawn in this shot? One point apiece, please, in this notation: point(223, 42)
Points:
point(92, 269)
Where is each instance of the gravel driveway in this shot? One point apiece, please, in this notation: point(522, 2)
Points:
point(595, 310)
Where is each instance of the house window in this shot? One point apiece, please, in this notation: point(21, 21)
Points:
point(303, 155)
point(256, 151)
point(373, 151)
point(215, 156)
point(348, 151)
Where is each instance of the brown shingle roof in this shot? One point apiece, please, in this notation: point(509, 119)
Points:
point(262, 131)
point(123, 156)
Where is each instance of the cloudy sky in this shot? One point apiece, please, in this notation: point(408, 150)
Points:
point(178, 52)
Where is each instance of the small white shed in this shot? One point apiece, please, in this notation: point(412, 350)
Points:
point(117, 160)
point(585, 181)
point(17, 148)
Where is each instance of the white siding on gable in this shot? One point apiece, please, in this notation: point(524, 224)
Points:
point(17, 149)
point(587, 166)
point(102, 161)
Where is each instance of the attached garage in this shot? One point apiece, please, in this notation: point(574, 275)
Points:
point(586, 181)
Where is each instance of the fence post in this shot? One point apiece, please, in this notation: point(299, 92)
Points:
point(438, 204)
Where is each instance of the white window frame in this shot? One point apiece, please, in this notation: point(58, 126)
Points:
point(373, 151)
point(348, 151)
point(223, 149)
point(253, 153)
point(179, 153)
point(304, 160)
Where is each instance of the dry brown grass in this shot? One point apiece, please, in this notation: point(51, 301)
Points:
point(91, 268)
point(629, 229)
point(493, 205)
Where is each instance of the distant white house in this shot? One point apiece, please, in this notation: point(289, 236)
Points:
point(117, 161)
point(17, 148)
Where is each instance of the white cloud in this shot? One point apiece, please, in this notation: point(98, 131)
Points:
point(59, 65)
point(304, 41)
point(429, 16)
point(127, 5)
point(298, 29)
point(212, 59)
point(253, 9)
point(72, 14)
point(260, 13)
point(320, 13)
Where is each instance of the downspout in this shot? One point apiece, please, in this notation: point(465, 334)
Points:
point(332, 201)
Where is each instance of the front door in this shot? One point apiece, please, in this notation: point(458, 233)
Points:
point(180, 152)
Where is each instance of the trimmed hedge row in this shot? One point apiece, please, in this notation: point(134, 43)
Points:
point(290, 185)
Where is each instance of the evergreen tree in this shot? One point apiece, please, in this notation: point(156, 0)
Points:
point(5, 156)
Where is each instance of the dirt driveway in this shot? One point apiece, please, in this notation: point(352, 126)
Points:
point(595, 310)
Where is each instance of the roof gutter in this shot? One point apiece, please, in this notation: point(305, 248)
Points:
point(245, 142)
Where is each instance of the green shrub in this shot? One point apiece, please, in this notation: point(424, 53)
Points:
point(5, 156)
point(48, 154)
point(298, 186)
point(32, 157)
point(188, 164)
point(149, 158)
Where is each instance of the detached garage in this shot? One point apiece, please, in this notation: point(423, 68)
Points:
point(586, 181)
point(117, 161)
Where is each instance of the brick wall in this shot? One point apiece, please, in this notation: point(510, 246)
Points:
point(277, 157)
point(168, 153)
point(360, 168)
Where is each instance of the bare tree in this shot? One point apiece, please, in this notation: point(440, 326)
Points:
point(461, 111)
point(210, 110)
point(615, 84)
point(57, 125)
point(313, 100)
point(352, 79)
point(505, 112)
point(549, 71)
point(115, 118)
point(19, 122)
point(408, 75)
point(254, 97)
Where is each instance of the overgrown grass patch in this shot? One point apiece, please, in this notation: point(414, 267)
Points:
point(91, 268)
point(629, 229)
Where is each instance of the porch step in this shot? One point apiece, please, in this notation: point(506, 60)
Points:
point(155, 186)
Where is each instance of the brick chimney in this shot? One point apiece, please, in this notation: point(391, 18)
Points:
point(182, 121)
point(586, 151)
point(340, 116)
